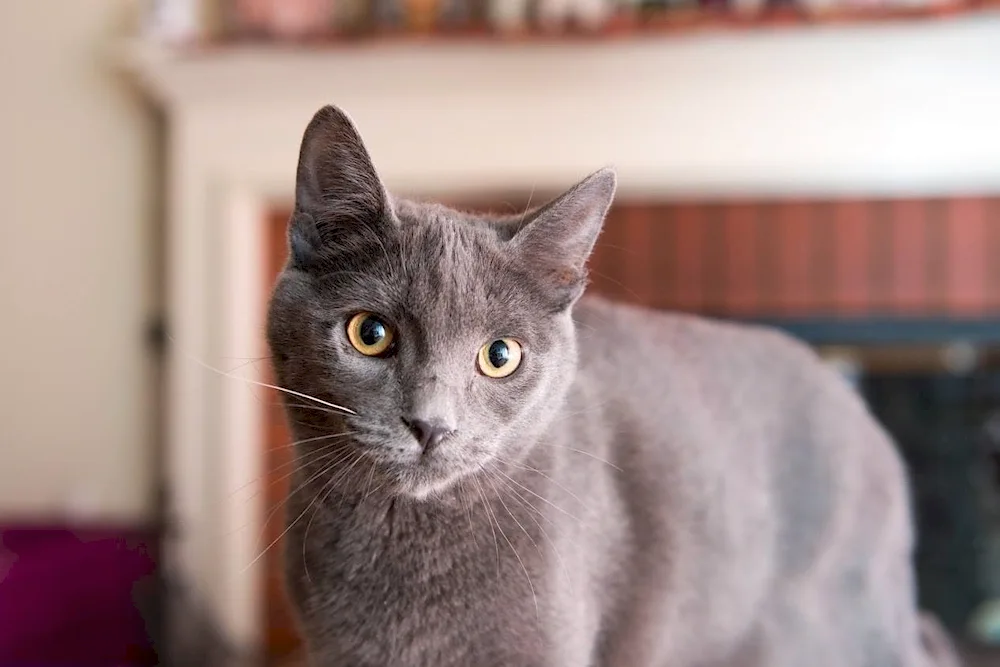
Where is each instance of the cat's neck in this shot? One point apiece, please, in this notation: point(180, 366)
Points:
point(524, 477)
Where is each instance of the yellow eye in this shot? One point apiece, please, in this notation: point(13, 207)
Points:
point(499, 358)
point(369, 334)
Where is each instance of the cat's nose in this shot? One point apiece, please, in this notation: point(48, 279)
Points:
point(428, 433)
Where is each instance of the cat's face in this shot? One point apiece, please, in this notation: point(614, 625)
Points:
point(448, 335)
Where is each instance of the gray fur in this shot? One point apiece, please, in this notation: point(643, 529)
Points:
point(647, 489)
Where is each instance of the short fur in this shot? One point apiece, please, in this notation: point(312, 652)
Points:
point(646, 490)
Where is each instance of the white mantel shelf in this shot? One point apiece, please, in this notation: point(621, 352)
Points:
point(863, 109)
point(854, 110)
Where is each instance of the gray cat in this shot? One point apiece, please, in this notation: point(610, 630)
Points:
point(493, 472)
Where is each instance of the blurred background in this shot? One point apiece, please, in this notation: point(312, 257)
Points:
point(831, 167)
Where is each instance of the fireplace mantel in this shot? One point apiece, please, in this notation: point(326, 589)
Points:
point(860, 111)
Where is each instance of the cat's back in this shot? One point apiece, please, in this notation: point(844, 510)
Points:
point(650, 355)
point(680, 378)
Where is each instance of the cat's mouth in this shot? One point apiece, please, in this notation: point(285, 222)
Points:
point(415, 471)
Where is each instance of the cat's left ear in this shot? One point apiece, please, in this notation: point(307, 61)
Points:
point(557, 239)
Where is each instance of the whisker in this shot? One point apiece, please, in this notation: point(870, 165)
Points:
point(580, 451)
point(329, 488)
point(527, 206)
point(373, 491)
point(519, 525)
point(545, 534)
point(325, 491)
point(514, 490)
point(467, 506)
point(266, 385)
point(486, 507)
point(514, 549)
point(539, 472)
point(576, 413)
point(303, 406)
point(625, 288)
point(345, 455)
point(368, 484)
point(247, 361)
point(308, 440)
point(542, 498)
point(285, 531)
point(323, 449)
point(589, 327)
point(310, 458)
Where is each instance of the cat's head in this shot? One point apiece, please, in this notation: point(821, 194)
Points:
point(448, 334)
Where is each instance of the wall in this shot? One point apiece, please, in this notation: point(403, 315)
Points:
point(76, 248)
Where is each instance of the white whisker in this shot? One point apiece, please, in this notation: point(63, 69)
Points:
point(310, 458)
point(486, 507)
point(580, 451)
point(303, 406)
point(545, 534)
point(542, 498)
point(288, 527)
point(467, 506)
point(308, 440)
point(513, 548)
point(324, 449)
point(291, 392)
point(329, 488)
point(345, 454)
point(539, 472)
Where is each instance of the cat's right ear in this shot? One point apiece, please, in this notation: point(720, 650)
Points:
point(337, 190)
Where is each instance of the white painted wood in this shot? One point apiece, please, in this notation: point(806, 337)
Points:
point(844, 109)
point(240, 467)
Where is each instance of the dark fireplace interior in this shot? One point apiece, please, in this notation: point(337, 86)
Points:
point(946, 421)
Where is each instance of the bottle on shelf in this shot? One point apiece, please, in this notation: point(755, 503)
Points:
point(352, 17)
point(421, 15)
point(387, 15)
point(590, 15)
point(509, 16)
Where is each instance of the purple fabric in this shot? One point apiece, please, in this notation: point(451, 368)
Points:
point(67, 597)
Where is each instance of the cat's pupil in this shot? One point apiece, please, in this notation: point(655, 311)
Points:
point(372, 331)
point(499, 354)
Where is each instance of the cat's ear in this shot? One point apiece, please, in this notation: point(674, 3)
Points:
point(557, 239)
point(337, 190)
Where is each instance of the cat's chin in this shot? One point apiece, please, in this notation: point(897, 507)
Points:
point(426, 481)
point(425, 476)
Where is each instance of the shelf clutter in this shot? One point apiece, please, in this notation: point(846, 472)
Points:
point(203, 22)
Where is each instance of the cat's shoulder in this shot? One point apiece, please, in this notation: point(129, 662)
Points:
point(602, 321)
point(641, 347)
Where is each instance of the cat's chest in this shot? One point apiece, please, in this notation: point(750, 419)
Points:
point(440, 585)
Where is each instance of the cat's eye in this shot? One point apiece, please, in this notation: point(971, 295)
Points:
point(499, 358)
point(370, 335)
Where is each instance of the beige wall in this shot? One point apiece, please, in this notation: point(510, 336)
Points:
point(75, 254)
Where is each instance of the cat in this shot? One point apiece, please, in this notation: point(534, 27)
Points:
point(493, 470)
